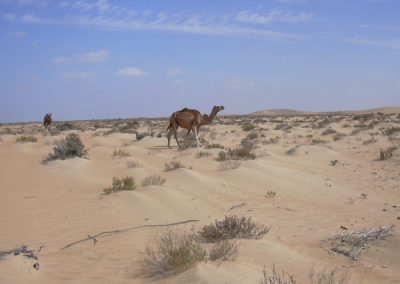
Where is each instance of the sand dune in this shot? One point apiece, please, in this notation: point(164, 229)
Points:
point(50, 205)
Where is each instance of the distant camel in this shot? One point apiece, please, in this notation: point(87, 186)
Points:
point(190, 119)
point(47, 122)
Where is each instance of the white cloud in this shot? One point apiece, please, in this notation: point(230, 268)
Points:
point(90, 57)
point(16, 34)
point(173, 72)
point(131, 71)
point(275, 15)
point(37, 3)
point(84, 5)
point(388, 43)
point(78, 75)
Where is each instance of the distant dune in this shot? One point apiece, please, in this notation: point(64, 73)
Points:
point(290, 112)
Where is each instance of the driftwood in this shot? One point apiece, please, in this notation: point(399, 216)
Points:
point(118, 231)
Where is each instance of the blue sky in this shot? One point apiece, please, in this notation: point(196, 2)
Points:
point(109, 59)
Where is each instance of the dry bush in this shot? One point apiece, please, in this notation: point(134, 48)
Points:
point(133, 164)
point(120, 184)
point(214, 145)
point(270, 194)
point(69, 147)
point(26, 139)
point(315, 141)
point(332, 276)
point(248, 126)
point(153, 180)
point(241, 154)
point(232, 227)
point(390, 131)
point(224, 250)
point(228, 164)
point(173, 252)
point(273, 140)
point(201, 154)
point(67, 125)
point(173, 165)
point(120, 153)
point(387, 153)
point(140, 136)
point(328, 131)
point(283, 126)
point(370, 141)
point(338, 136)
point(351, 243)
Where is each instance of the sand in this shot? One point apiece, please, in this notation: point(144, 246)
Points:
point(47, 206)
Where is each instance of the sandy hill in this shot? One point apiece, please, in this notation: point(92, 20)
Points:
point(312, 180)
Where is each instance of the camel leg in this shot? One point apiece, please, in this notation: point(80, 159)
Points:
point(169, 134)
point(176, 138)
point(197, 137)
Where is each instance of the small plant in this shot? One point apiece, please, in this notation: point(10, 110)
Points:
point(248, 126)
point(390, 131)
point(173, 252)
point(69, 147)
point(232, 227)
point(228, 164)
point(328, 131)
point(26, 139)
point(140, 136)
point(173, 165)
point(153, 180)
point(120, 184)
point(120, 153)
point(241, 154)
point(215, 145)
point(338, 136)
point(387, 153)
point(133, 164)
point(370, 141)
point(224, 250)
point(334, 162)
point(270, 194)
point(201, 154)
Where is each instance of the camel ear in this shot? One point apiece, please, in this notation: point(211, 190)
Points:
point(221, 107)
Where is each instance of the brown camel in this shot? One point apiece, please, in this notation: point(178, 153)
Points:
point(190, 119)
point(47, 121)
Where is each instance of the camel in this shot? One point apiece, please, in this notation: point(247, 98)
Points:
point(189, 119)
point(47, 121)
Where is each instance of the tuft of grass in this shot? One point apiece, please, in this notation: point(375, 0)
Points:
point(232, 227)
point(224, 250)
point(173, 252)
point(69, 147)
point(26, 139)
point(387, 153)
point(120, 153)
point(173, 165)
point(248, 126)
point(140, 136)
point(201, 154)
point(214, 145)
point(153, 180)
point(133, 164)
point(270, 194)
point(241, 154)
point(120, 184)
point(328, 131)
point(390, 131)
point(228, 164)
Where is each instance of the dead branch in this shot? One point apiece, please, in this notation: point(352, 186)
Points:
point(118, 231)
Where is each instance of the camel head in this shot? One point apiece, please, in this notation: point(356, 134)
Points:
point(217, 109)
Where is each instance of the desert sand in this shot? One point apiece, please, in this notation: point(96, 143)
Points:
point(324, 182)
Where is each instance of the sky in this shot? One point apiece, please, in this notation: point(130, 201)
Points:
point(93, 59)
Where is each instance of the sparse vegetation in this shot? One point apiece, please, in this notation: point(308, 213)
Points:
point(173, 252)
point(173, 165)
point(386, 153)
point(153, 180)
point(328, 131)
point(228, 164)
point(270, 194)
point(120, 153)
point(390, 131)
point(140, 136)
point(214, 145)
point(232, 227)
point(224, 250)
point(133, 164)
point(69, 147)
point(248, 127)
point(201, 154)
point(120, 184)
point(26, 139)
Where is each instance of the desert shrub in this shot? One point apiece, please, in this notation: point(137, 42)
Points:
point(390, 131)
point(224, 250)
point(140, 136)
point(387, 153)
point(69, 147)
point(173, 165)
point(328, 131)
point(215, 145)
point(332, 276)
point(248, 126)
point(317, 141)
point(153, 180)
point(64, 126)
point(232, 227)
point(270, 194)
point(252, 136)
point(241, 154)
point(120, 153)
point(222, 156)
point(338, 136)
point(133, 164)
point(273, 140)
point(370, 141)
point(120, 184)
point(346, 125)
point(283, 126)
point(173, 252)
point(25, 139)
point(202, 154)
point(228, 164)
